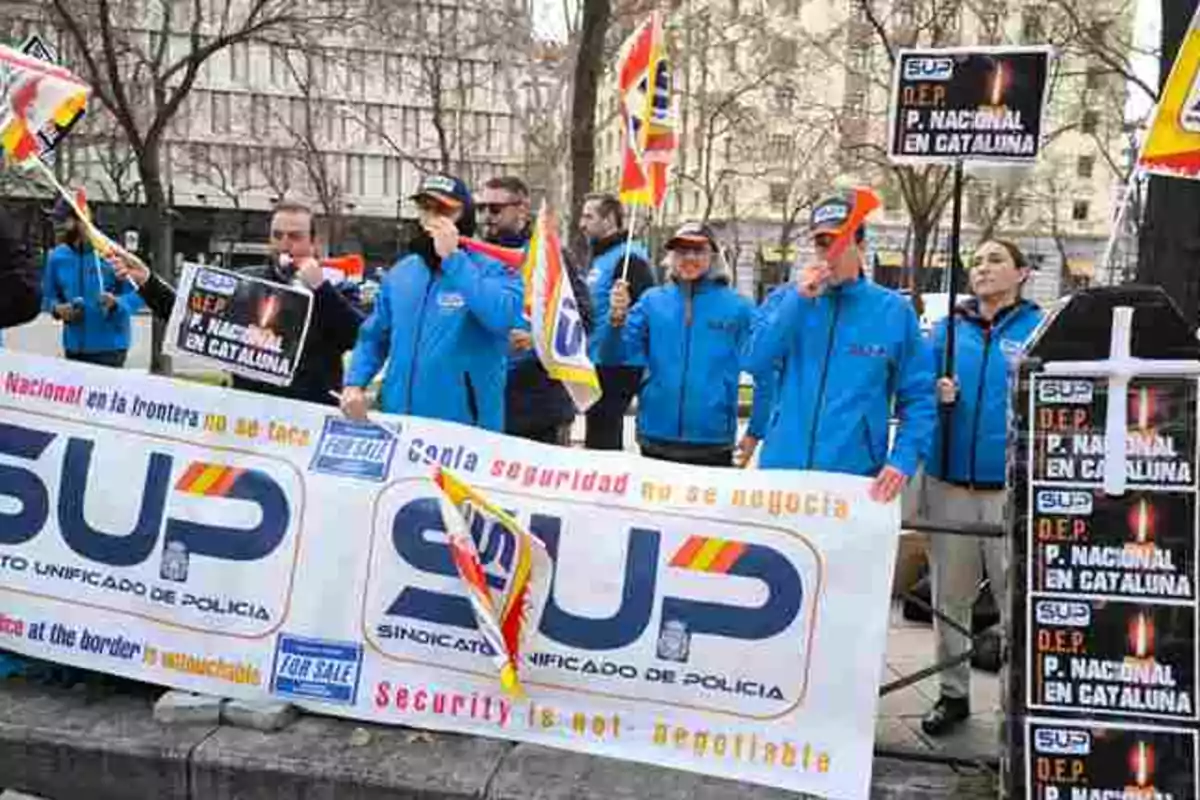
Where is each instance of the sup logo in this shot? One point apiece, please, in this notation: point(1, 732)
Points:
point(195, 523)
point(631, 594)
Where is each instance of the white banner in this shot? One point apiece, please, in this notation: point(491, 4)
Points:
point(720, 621)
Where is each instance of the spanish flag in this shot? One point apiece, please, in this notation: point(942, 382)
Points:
point(509, 594)
point(558, 334)
point(648, 136)
point(34, 97)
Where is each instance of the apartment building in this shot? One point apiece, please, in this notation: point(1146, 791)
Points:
point(345, 116)
point(781, 99)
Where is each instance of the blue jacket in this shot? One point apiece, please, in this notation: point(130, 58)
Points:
point(690, 337)
point(81, 274)
point(846, 357)
point(605, 270)
point(984, 358)
point(444, 334)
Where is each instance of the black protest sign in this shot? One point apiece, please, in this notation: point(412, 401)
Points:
point(977, 104)
point(249, 326)
point(1138, 544)
point(1068, 431)
point(1113, 657)
point(1068, 760)
point(1103, 674)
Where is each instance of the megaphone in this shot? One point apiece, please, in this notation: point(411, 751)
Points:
point(508, 256)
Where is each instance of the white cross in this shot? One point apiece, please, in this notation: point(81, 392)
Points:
point(1119, 368)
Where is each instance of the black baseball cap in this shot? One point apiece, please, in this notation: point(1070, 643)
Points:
point(445, 189)
point(830, 214)
point(691, 235)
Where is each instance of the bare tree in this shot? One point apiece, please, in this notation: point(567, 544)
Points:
point(143, 57)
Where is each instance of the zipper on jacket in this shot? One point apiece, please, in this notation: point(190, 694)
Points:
point(412, 365)
point(687, 353)
point(987, 351)
point(820, 404)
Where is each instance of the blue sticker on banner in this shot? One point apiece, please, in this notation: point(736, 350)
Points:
point(354, 450)
point(316, 669)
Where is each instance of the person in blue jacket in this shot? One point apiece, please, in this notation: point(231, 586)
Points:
point(990, 333)
point(81, 290)
point(851, 351)
point(615, 257)
point(689, 332)
point(441, 322)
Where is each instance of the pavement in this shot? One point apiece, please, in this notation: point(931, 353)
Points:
point(67, 744)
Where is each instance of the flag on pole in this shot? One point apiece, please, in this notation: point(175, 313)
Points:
point(559, 338)
point(1172, 146)
point(508, 616)
point(35, 97)
point(648, 132)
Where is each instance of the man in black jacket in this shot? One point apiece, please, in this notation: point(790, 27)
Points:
point(617, 259)
point(21, 298)
point(335, 321)
point(536, 406)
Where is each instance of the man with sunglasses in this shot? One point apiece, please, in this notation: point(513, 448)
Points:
point(536, 406)
point(852, 353)
point(441, 322)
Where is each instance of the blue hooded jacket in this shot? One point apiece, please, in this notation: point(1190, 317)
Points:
point(846, 356)
point(690, 337)
point(444, 334)
point(985, 356)
point(605, 270)
point(81, 274)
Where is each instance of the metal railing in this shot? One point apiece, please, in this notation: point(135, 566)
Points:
point(941, 528)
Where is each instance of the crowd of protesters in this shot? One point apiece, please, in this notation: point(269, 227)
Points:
point(834, 357)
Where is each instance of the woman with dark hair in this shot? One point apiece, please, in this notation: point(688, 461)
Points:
point(969, 486)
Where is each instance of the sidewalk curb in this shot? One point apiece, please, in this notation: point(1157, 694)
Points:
point(63, 745)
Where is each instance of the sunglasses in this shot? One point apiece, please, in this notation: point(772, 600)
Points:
point(823, 242)
point(495, 208)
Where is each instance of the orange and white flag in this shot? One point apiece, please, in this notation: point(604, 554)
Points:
point(507, 596)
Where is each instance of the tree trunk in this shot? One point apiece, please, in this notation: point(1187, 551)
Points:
point(921, 231)
point(160, 230)
point(1169, 245)
point(588, 68)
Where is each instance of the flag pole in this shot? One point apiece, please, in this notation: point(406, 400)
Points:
point(629, 242)
point(1119, 223)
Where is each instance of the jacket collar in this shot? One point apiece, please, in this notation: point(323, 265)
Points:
point(969, 311)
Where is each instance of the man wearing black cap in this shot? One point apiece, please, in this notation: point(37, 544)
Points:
point(689, 332)
point(81, 290)
point(852, 353)
point(441, 322)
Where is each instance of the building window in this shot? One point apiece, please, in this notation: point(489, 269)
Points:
point(1031, 26)
point(1079, 211)
point(778, 194)
point(219, 121)
point(259, 106)
point(239, 61)
point(1085, 166)
point(785, 99)
point(1090, 122)
point(1016, 211)
point(731, 56)
point(1095, 77)
point(784, 52)
point(779, 146)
